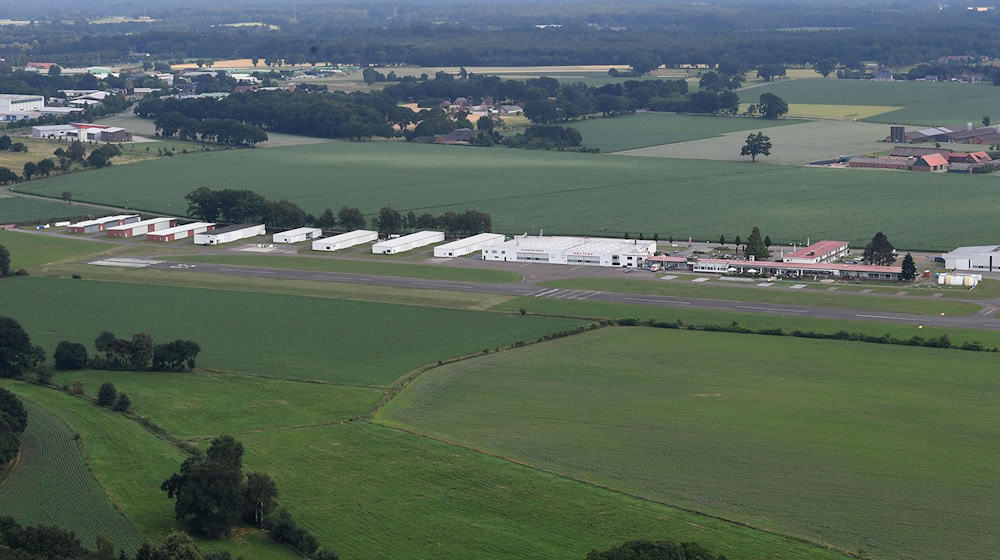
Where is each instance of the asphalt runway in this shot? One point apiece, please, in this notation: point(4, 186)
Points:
point(527, 289)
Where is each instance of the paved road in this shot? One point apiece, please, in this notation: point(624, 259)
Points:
point(979, 321)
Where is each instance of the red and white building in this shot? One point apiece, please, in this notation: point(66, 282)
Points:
point(773, 268)
point(101, 224)
point(180, 232)
point(139, 228)
point(819, 252)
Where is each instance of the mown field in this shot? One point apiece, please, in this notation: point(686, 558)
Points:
point(30, 251)
point(292, 337)
point(566, 193)
point(747, 427)
point(652, 129)
point(52, 485)
point(924, 103)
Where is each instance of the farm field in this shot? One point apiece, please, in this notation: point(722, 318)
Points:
point(710, 290)
point(828, 111)
point(566, 193)
point(762, 432)
point(52, 485)
point(652, 129)
point(130, 463)
point(290, 337)
point(805, 142)
point(924, 103)
point(31, 251)
point(202, 405)
point(14, 209)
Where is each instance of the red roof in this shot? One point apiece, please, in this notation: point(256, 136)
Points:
point(933, 160)
point(817, 249)
point(807, 266)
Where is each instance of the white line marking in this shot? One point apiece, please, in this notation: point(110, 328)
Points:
point(771, 309)
point(887, 317)
point(542, 294)
point(245, 271)
point(592, 294)
point(658, 300)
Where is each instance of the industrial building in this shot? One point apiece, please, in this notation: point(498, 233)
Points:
point(100, 224)
point(983, 258)
point(179, 232)
point(297, 235)
point(819, 252)
point(406, 242)
point(772, 268)
point(140, 228)
point(345, 240)
point(229, 234)
point(52, 131)
point(13, 103)
point(469, 244)
point(591, 251)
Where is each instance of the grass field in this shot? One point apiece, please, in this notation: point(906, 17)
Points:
point(652, 129)
point(146, 128)
point(568, 193)
point(388, 268)
point(829, 111)
point(17, 210)
point(746, 427)
point(52, 485)
point(31, 251)
point(925, 103)
point(709, 290)
point(292, 337)
point(130, 463)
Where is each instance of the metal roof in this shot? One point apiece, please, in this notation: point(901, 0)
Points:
point(232, 228)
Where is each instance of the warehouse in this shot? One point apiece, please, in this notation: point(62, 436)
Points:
point(590, 251)
point(100, 224)
point(819, 252)
point(407, 242)
point(772, 268)
point(179, 232)
point(983, 258)
point(52, 131)
point(140, 228)
point(12, 103)
point(115, 134)
point(229, 234)
point(469, 244)
point(297, 235)
point(345, 240)
point(900, 163)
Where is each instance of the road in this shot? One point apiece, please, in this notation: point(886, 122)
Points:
point(984, 320)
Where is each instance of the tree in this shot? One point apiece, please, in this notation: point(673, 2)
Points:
point(986, 120)
point(208, 490)
point(12, 411)
point(140, 351)
point(327, 220)
point(711, 81)
point(767, 241)
point(756, 145)
point(70, 355)
point(55, 70)
point(175, 355)
point(4, 262)
point(76, 151)
point(67, 196)
point(106, 395)
point(101, 157)
point(771, 106)
point(5, 142)
point(105, 342)
point(7, 176)
point(388, 221)
point(350, 218)
point(825, 66)
point(260, 495)
point(755, 246)
point(46, 166)
point(17, 354)
point(879, 251)
point(769, 72)
point(909, 268)
point(30, 168)
point(722, 240)
point(122, 403)
point(643, 63)
point(646, 550)
point(177, 546)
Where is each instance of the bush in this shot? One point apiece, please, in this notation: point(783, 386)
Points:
point(70, 355)
point(122, 403)
point(77, 388)
point(107, 395)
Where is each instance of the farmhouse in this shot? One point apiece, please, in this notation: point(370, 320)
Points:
point(13, 103)
point(179, 232)
point(406, 242)
point(771, 268)
point(980, 258)
point(139, 228)
point(345, 240)
point(100, 224)
point(819, 252)
point(468, 245)
point(930, 162)
point(229, 234)
point(591, 251)
point(297, 235)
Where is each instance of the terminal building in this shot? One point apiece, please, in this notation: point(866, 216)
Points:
point(982, 258)
point(819, 252)
point(773, 268)
point(588, 251)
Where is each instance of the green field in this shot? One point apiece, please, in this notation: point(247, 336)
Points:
point(652, 129)
point(716, 290)
point(566, 193)
point(202, 405)
point(30, 251)
point(275, 335)
point(52, 485)
point(889, 450)
point(386, 268)
point(15, 209)
point(924, 103)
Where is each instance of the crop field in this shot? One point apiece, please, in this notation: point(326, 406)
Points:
point(746, 427)
point(565, 193)
point(710, 290)
point(292, 337)
point(924, 103)
point(15, 209)
point(791, 145)
point(354, 484)
point(30, 251)
point(51, 485)
point(652, 129)
point(835, 112)
point(200, 405)
point(130, 463)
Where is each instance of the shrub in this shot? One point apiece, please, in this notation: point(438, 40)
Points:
point(77, 388)
point(70, 355)
point(122, 403)
point(107, 395)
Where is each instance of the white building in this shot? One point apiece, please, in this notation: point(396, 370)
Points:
point(407, 242)
point(179, 232)
point(468, 245)
point(229, 234)
point(345, 240)
point(100, 224)
point(982, 258)
point(297, 235)
point(53, 131)
point(819, 252)
point(591, 251)
point(13, 103)
point(139, 228)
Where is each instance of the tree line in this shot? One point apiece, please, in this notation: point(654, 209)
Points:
point(74, 153)
point(13, 422)
point(134, 354)
point(228, 132)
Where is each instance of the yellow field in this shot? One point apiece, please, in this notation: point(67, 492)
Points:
point(833, 112)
